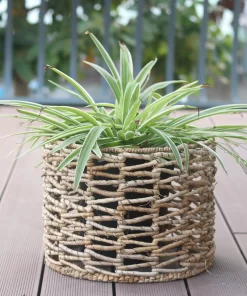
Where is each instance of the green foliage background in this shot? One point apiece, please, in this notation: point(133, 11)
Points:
point(155, 29)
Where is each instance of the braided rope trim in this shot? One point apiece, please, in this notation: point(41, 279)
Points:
point(135, 218)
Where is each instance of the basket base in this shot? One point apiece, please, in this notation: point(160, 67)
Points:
point(96, 276)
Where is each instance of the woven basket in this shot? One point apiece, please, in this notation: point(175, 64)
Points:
point(135, 218)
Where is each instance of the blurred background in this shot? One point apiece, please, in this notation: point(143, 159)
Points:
point(204, 40)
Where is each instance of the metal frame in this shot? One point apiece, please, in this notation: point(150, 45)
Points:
point(106, 40)
point(41, 43)
point(169, 67)
point(234, 74)
point(171, 45)
point(8, 51)
point(74, 41)
point(139, 32)
point(202, 53)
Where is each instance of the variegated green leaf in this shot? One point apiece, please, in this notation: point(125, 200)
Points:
point(85, 152)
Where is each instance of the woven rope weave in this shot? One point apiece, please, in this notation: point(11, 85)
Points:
point(135, 218)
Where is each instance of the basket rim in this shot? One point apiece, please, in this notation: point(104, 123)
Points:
point(137, 149)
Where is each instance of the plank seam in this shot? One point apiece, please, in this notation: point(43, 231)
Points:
point(113, 289)
point(41, 277)
point(113, 285)
point(224, 217)
point(11, 171)
point(187, 287)
point(232, 233)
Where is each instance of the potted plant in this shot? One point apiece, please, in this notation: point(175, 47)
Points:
point(128, 188)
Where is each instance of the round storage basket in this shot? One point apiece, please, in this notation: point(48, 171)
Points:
point(135, 218)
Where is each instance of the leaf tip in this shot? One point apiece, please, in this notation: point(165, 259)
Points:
point(47, 66)
point(204, 85)
point(121, 44)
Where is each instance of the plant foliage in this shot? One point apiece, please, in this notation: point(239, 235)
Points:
point(139, 117)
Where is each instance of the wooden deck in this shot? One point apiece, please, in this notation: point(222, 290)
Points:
point(22, 270)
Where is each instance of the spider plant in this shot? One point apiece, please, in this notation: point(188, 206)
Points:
point(139, 117)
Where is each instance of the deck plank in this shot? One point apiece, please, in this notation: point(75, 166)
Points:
point(55, 284)
point(230, 192)
point(7, 126)
point(231, 188)
point(176, 288)
point(21, 229)
point(242, 241)
point(228, 276)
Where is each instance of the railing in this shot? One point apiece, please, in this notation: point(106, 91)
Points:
point(169, 71)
